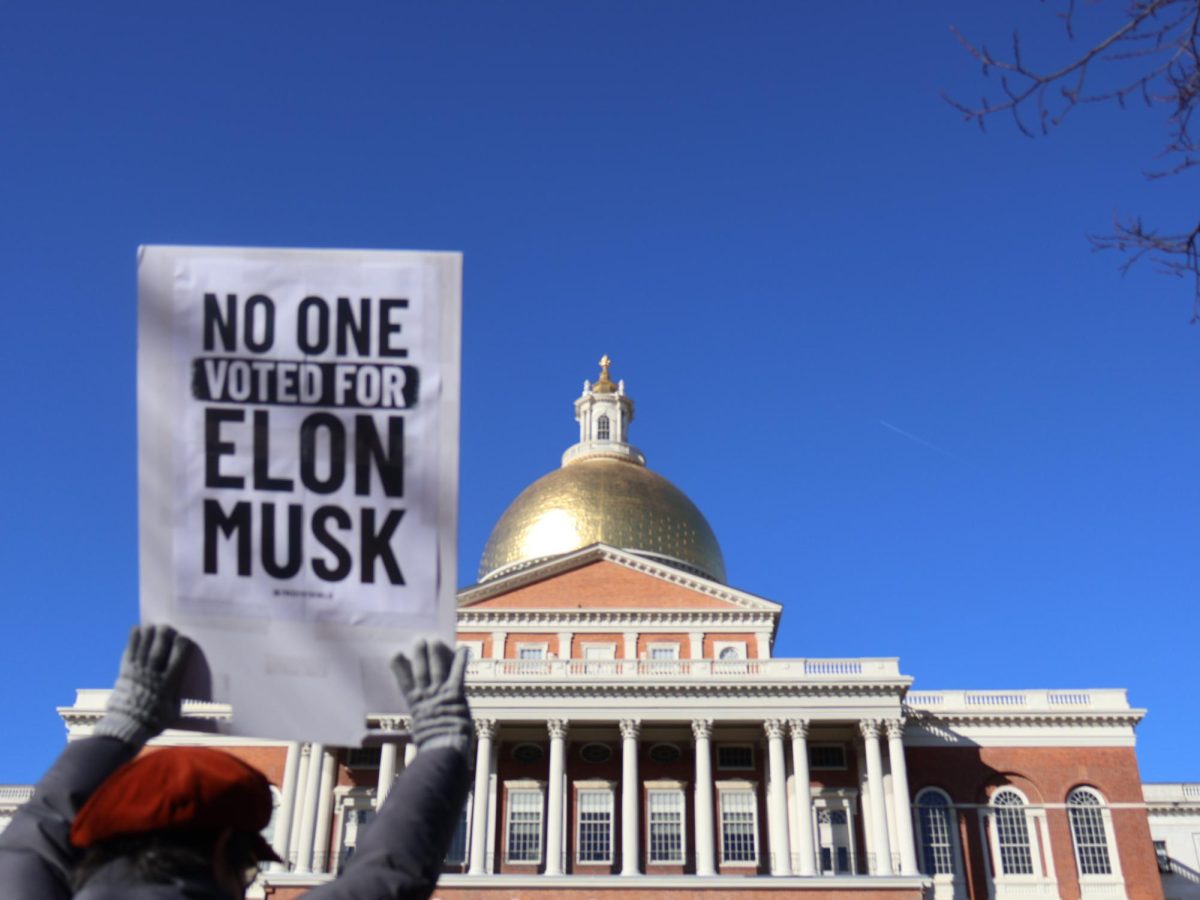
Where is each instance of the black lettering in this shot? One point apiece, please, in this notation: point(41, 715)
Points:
point(320, 526)
point(368, 448)
point(215, 321)
point(237, 523)
point(308, 453)
point(215, 448)
point(295, 539)
point(388, 328)
point(378, 546)
point(308, 343)
point(262, 456)
point(360, 330)
point(264, 321)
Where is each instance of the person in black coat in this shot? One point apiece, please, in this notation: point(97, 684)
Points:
point(103, 825)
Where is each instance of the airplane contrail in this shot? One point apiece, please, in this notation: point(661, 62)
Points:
point(917, 440)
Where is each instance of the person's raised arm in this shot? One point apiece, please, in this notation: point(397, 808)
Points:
point(401, 852)
point(36, 856)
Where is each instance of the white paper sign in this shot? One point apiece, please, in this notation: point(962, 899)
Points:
point(298, 461)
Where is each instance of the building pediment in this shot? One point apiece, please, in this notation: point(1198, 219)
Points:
point(602, 578)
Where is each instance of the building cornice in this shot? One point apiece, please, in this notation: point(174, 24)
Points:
point(617, 618)
point(661, 691)
point(604, 553)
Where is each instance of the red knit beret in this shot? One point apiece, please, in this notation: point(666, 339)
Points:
point(177, 789)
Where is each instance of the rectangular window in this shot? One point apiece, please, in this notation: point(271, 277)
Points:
point(595, 826)
point(739, 828)
point(531, 651)
point(665, 809)
point(735, 756)
point(1016, 857)
point(524, 826)
point(457, 854)
point(664, 651)
point(363, 757)
point(826, 756)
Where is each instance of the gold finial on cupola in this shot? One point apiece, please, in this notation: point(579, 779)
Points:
point(604, 384)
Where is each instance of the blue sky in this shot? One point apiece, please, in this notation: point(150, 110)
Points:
point(869, 341)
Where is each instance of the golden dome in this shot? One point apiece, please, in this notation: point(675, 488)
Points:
point(599, 499)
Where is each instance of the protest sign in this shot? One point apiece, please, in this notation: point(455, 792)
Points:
point(298, 466)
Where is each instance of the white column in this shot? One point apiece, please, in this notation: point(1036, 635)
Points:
point(387, 774)
point(298, 806)
point(485, 730)
point(806, 864)
point(763, 644)
point(705, 856)
point(324, 811)
point(630, 638)
point(498, 644)
point(554, 803)
point(308, 809)
point(630, 796)
point(696, 644)
point(410, 753)
point(880, 849)
point(904, 819)
point(287, 805)
point(777, 817)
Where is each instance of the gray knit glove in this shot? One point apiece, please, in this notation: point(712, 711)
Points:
point(432, 680)
point(145, 699)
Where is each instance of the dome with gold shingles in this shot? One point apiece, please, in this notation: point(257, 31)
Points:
point(602, 494)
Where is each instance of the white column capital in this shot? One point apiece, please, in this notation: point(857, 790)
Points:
point(558, 728)
point(630, 728)
point(702, 729)
point(798, 728)
point(869, 728)
point(894, 728)
point(485, 728)
point(774, 729)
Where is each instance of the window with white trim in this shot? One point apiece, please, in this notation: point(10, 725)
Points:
point(833, 839)
point(531, 651)
point(935, 830)
point(827, 756)
point(1012, 833)
point(664, 651)
point(1085, 812)
point(523, 828)
point(739, 826)
point(729, 650)
point(603, 429)
point(664, 813)
point(594, 828)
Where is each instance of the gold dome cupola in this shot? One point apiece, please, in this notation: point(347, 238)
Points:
point(602, 494)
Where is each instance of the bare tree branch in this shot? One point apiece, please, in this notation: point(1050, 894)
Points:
point(1164, 36)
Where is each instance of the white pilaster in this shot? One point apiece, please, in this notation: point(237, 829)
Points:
point(308, 810)
point(763, 644)
point(704, 838)
point(903, 803)
point(806, 864)
point(696, 644)
point(630, 796)
point(564, 644)
point(498, 638)
point(554, 804)
point(880, 850)
point(324, 812)
point(630, 644)
point(298, 807)
point(387, 774)
point(287, 804)
point(485, 730)
point(777, 818)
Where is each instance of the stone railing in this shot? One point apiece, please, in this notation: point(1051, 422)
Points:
point(1174, 792)
point(15, 794)
point(1035, 701)
point(784, 670)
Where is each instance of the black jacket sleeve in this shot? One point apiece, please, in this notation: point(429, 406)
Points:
point(400, 854)
point(36, 855)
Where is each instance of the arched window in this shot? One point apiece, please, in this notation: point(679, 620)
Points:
point(602, 429)
point(729, 653)
point(934, 821)
point(1084, 809)
point(1012, 833)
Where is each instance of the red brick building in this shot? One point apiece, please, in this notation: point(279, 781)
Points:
point(637, 737)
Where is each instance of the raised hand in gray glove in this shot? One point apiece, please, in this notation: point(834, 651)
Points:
point(145, 699)
point(432, 679)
